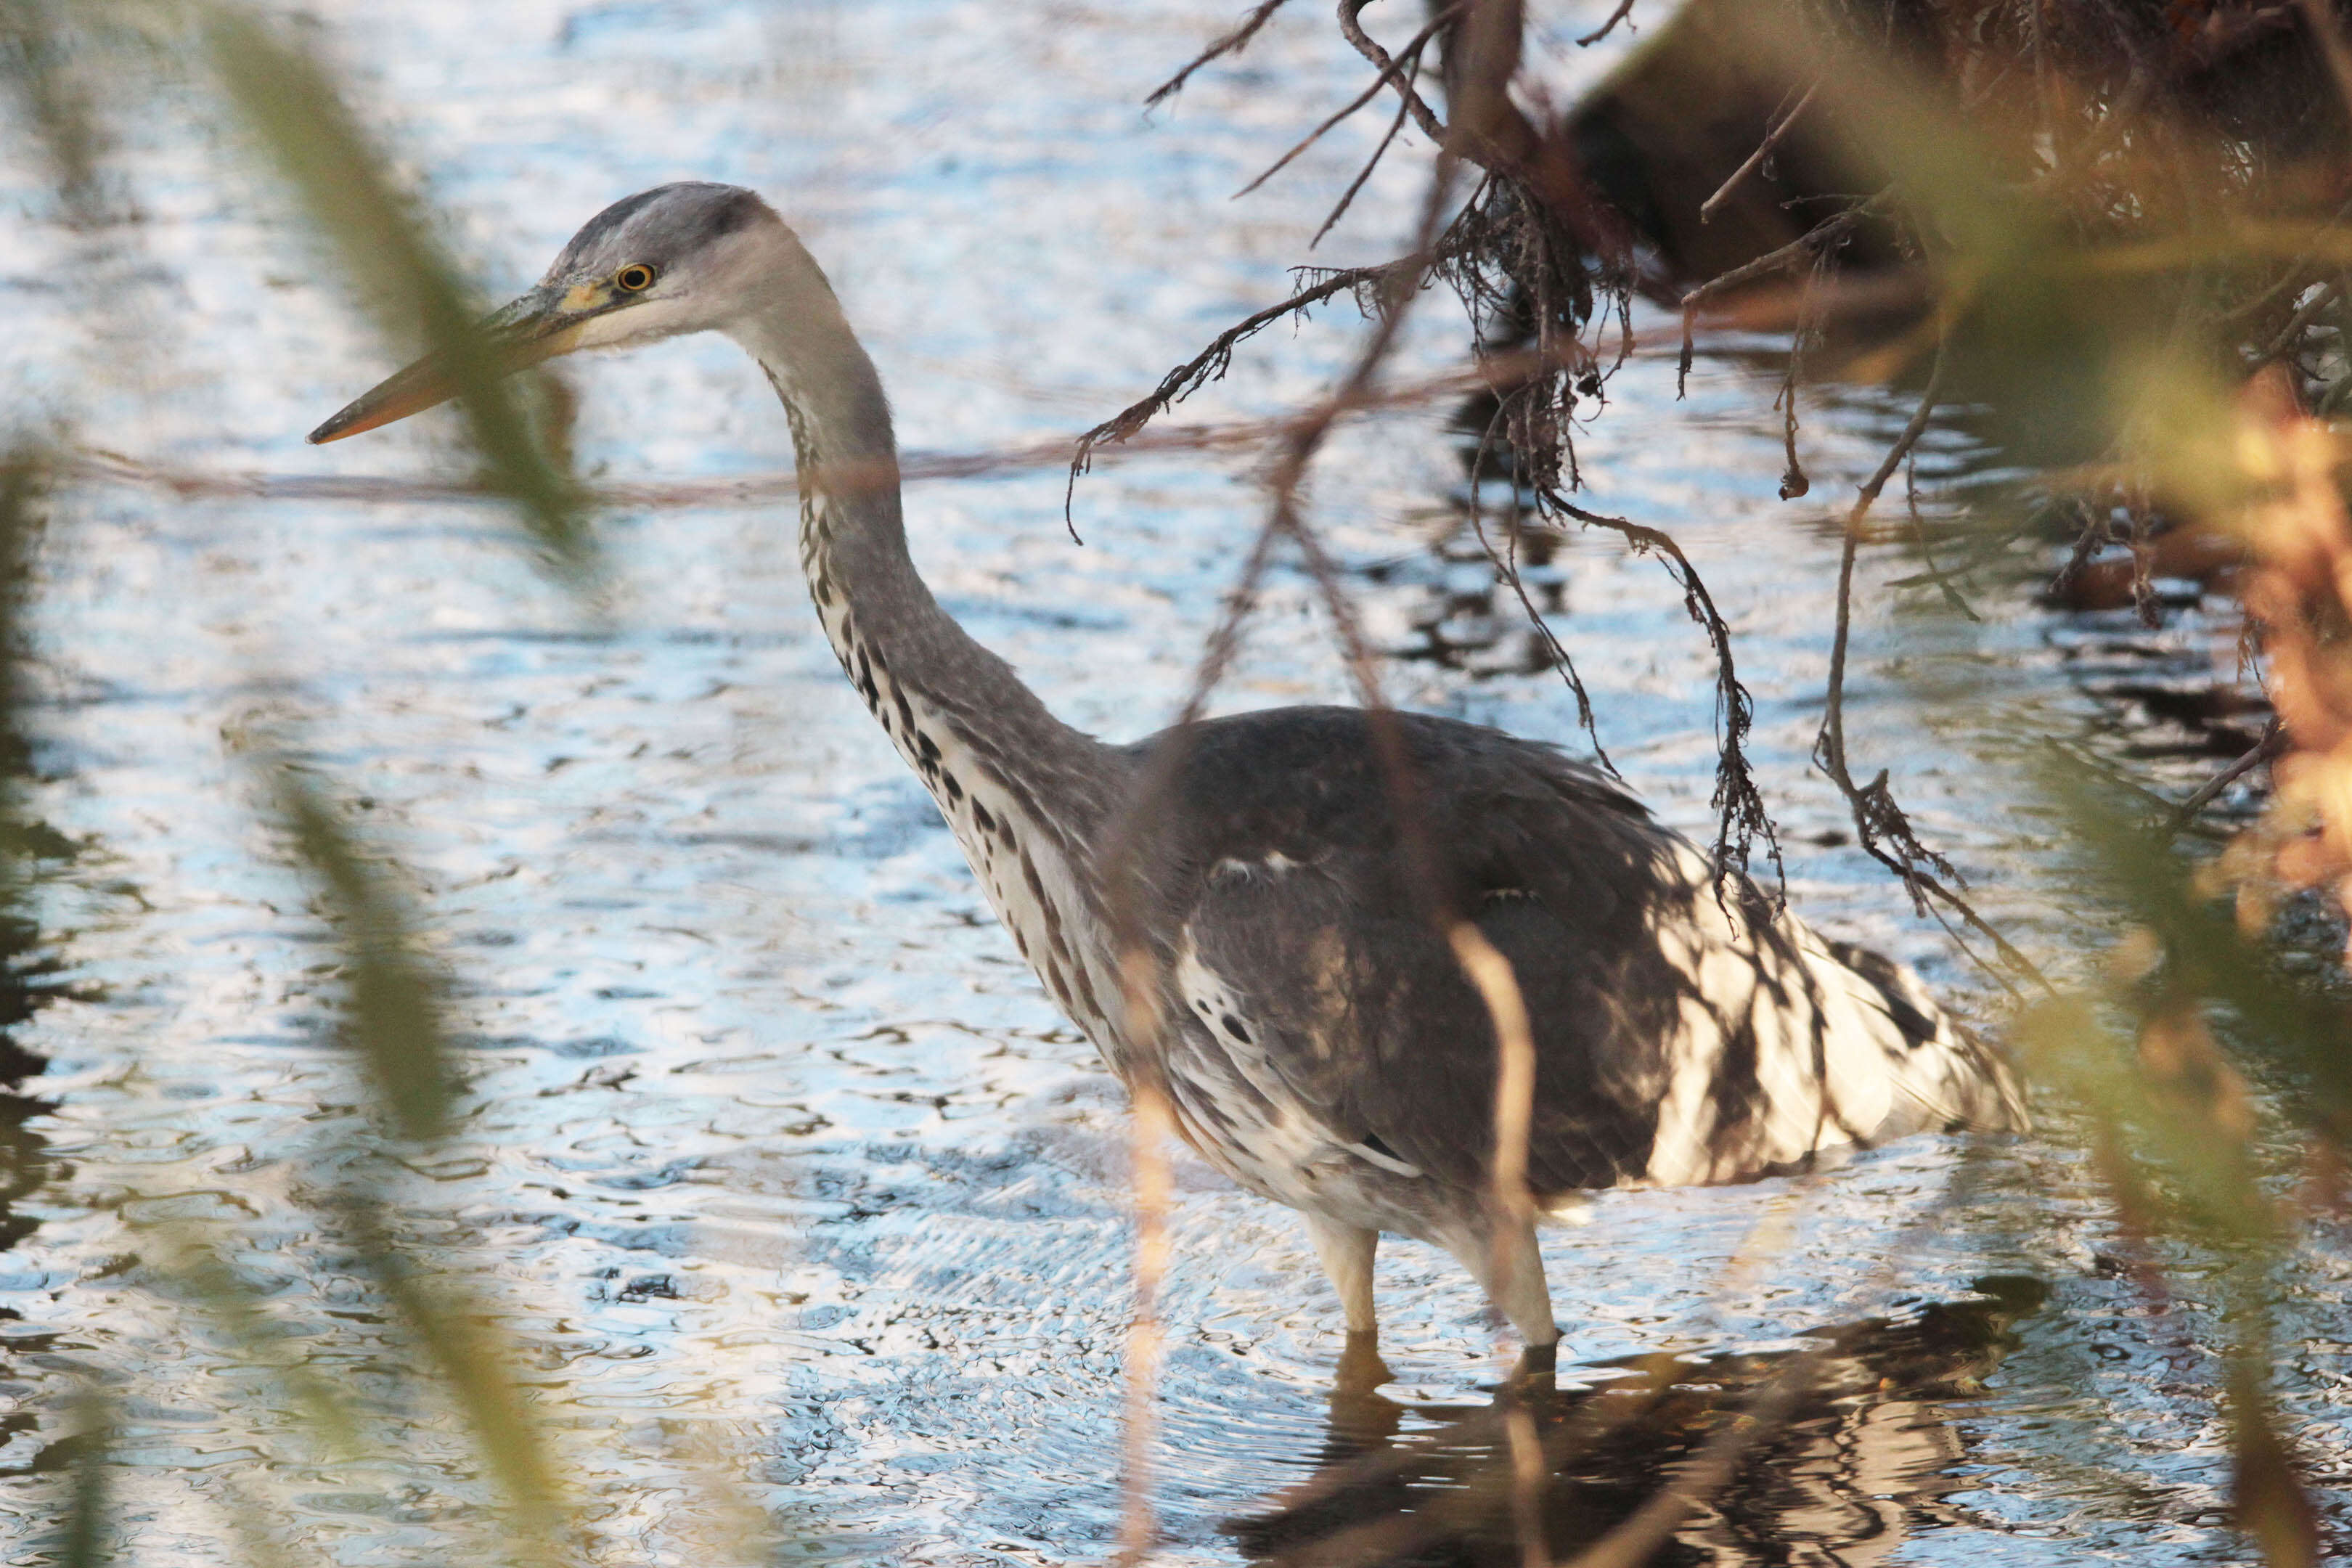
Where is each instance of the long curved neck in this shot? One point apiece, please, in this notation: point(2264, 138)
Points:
point(949, 703)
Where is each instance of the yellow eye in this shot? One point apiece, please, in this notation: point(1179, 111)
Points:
point(633, 279)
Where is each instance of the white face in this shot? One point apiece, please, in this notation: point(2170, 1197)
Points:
point(673, 260)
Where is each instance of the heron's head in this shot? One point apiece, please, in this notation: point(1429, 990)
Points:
point(676, 258)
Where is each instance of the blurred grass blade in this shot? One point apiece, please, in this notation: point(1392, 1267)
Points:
point(2177, 1134)
point(24, 477)
point(2296, 1023)
point(37, 66)
point(2165, 1169)
point(88, 1523)
point(722, 1524)
point(406, 280)
point(260, 1538)
point(393, 1013)
point(195, 1264)
point(2272, 1503)
point(465, 1346)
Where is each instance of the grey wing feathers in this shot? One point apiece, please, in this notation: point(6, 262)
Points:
point(1676, 1042)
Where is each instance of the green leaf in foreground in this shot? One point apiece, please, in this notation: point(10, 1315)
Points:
point(37, 69)
point(477, 1362)
point(86, 1538)
point(310, 134)
point(392, 1011)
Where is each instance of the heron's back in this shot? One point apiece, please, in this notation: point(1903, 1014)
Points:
point(1681, 1037)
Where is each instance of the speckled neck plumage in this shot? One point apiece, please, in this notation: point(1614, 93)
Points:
point(1023, 792)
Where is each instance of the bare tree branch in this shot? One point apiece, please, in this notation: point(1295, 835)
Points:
point(2273, 744)
point(1352, 28)
point(1624, 9)
point(1934, 573)
point(1813, 243)
point(1756, 159)
point(1232, 43)
point(1142, 967)
point(1395, 70)
point(1210, 363)
point(1348, 196)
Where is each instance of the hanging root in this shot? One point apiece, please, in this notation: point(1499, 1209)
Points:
point(1211, 362)
point(1879, 823)
point(1741, 818)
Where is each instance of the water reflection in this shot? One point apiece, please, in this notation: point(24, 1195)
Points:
point(28, 982)
point(1866, 1457)
point(22, 1167)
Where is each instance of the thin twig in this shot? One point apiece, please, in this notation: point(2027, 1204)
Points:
point(1507, 566)
point(98, 466)
point(1934, 573)
point(1912, 428)
point(1232, 43)
point(1152, 1123)
point(1210, 363)
point(1394, 70)
point(1814, 242)
point(1755, 160)
point(1624, 9)
point(1529, 1479)
point(1404, 105)
point(1142, 962)
point(2290, 334)
point(1773, 262)
point(1483, 964)
point(2273, 744)
point(1794, 482)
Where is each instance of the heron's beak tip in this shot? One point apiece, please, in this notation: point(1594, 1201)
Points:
point(423, 385)
point(366, 414)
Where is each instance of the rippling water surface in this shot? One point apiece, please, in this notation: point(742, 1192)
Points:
point(777, 1155)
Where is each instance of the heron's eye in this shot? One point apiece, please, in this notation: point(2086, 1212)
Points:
point(633, 279)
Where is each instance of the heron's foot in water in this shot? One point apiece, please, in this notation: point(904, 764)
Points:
point(1529, 1385)
point(1361, 1368)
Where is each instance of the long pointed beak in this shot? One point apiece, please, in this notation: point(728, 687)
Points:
point(538, 326)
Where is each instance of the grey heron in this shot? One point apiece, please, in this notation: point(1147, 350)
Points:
point(1321, 1045)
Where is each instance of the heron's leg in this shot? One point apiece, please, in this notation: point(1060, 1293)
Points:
point(1359, 1373)
point(1346, 1252)
point(1513, 1276)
